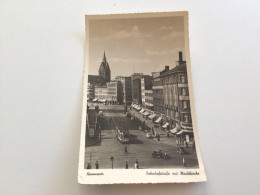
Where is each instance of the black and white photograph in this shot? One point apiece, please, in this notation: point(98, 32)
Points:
point(138, 98)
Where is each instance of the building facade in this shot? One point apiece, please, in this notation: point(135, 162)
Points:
point(149, 99)
point(101, 92)
point(127, 89)
point(115, 92)
point(157, 87)
point(146, 84)
point(176, 95)
point(91, 91)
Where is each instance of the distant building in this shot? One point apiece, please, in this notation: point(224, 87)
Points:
point(158, 99)
point(176, 95)
point(104, 70)
point(148, 99)
point(136, 87)
point(91, 91)
point(115, 92)
point(101, 92)
point(126, 89)
point(146, 84)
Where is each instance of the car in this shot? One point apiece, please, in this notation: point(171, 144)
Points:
point(160, 154)
point(149, 135)
point(127, 114)
point(181, 150)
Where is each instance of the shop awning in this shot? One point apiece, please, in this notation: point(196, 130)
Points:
point(152, 116)
point(158, 120)
point(102, 100)
point(137, 108)
point(142, 110)
point(184, 131)
point(174, 130)
point(146, 113)
point(186, 127)
point(94, 100)
point(132, 104)
point(165, 125)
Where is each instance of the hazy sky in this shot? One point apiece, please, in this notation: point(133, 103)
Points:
point(135, 44)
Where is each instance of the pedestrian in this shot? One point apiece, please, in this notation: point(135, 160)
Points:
point(186, 144)
point(126, 152)
point(97, 165)
point(177, 142)
point(89, 166)
point(126, 165)
point(158, 137)
point(168, 135)
point(184, 162)
point(136, 164)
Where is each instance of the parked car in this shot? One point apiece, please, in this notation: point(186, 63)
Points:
point(181, 150)
point(127, 114)
point(160, 154)
point(148, 135)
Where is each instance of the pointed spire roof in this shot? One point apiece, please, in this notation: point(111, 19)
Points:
point(104, 57)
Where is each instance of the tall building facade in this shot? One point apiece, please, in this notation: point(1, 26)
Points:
point(146, 84)
point(148, 99)
point(136, 87)
point(114, 92)
point(101, 92)
point(104, 70)
point(176, 95)
point(127, 89)
point(158, 99)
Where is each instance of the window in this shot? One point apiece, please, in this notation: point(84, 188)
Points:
point(185, 105)
point(182, 78)
point(184, 91)
point(186, 118)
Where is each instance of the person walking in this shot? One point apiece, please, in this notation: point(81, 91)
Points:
point(186, 143)
point(97, 165)
point(168, 135)
point(126, 152)
point(136, 164)
point(89, 166)
point(126, 165)
point(184, 162)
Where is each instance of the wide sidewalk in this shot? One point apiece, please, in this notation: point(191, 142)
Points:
point(148, 122)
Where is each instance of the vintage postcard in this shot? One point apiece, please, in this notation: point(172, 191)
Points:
point(138, 119)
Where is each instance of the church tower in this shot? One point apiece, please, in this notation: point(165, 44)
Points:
point(104, 70)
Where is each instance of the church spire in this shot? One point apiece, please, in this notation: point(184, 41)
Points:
point(104, 57)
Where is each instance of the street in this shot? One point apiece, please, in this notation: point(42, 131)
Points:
point(139, 148)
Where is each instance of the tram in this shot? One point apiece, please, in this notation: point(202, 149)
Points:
point(122, 134)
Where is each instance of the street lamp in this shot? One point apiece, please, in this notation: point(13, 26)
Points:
point(112, 160)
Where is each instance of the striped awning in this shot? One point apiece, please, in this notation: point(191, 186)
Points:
point(174, 130)
point(158, 120)
point(184, 131)
point(152, 116)
point(142, 110)
point(165, 125)
point(146, 113)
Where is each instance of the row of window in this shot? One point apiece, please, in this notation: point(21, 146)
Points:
point(185, 104)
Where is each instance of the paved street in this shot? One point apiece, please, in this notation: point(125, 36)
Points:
point(139, 148)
